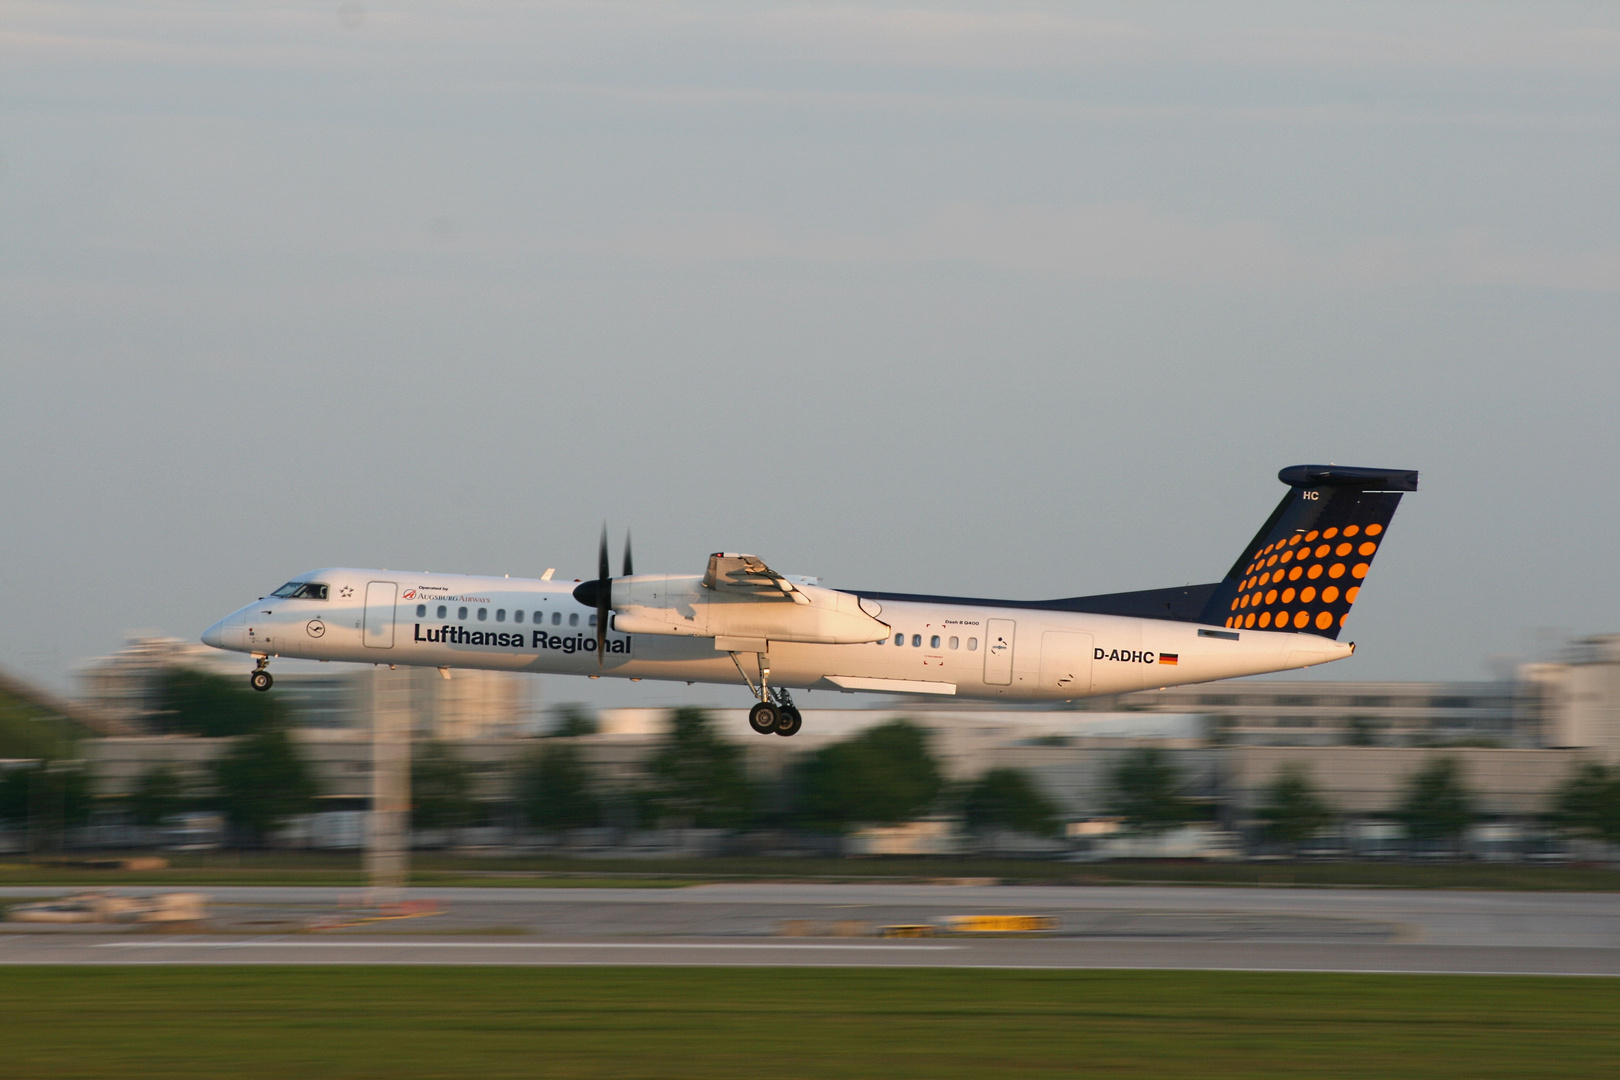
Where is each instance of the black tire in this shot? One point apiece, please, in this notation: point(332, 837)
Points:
point(790, 723)
point(261, 680)
point(764, 717)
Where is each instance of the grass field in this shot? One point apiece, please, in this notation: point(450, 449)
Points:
point(432, 868)
point(403, 1022)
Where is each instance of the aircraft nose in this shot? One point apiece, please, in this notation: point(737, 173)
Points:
point(215, 635)
point(229, 633)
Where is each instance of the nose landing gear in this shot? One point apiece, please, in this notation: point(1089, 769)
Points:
point(260, 678)
point(775, 713)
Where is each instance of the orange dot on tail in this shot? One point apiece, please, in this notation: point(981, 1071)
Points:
point(1235, 603)
point(1324, 620)
point(1311, 536)
point(1374, 529)
point(1248, 620)
point(1337, 570)
point(1360, 570)
point(1329, 534)
point(1288, 596)
point(1307, 594)
point(1323, 550)
point(1301, 618)
point(1352, 530)
point(1367, 548)
point(1265, 619)
point(1293, 575)
point(1315, 572)
point(1343, 617)
point(1351, 593)
point(1294, 541)
point(1271, 596)
point(1288, 556)
point(1229, 620)
point(1342, 550)
point(1330, 594)
point(1282, 619)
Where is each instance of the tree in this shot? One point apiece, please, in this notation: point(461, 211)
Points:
point(1147, 791)
point(573, 721)
point(441, 788)
point(158, 793)
point(1294, 809)
point(884, 775)
point(1437, 804)
point(202, 703)
point(262, 781)
point(1008, 799)
point(698, 777)
point(554, 789)
point(1588, 803)
point(47, 796)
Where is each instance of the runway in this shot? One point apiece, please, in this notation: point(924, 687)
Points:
point(1339, 930)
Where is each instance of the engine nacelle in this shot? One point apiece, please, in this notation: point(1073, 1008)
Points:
point(681, 605)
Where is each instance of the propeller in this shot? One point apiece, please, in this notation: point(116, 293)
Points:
point(599, 593)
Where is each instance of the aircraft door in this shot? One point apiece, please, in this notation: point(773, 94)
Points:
point(1065, 662)
point(998, 651)
point(380, 597)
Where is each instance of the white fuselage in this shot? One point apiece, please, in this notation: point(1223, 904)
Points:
point(970, 649)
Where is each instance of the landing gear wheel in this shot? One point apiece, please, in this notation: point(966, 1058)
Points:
point(261, 680)
point(764, 717)
point(790, 723)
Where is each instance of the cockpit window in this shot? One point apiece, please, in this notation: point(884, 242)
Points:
point(301, 590)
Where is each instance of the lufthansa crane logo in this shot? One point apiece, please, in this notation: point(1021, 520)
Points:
point(315, 627)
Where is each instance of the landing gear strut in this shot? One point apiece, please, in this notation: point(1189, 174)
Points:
point(260, 678)
point(775, 713)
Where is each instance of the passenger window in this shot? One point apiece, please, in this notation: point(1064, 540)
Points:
point(916, 641)
point(973, 644)
point(461, 613)
point(556, 618)
point(955, 642)
point(517, 616)
point(592, 620)
point(421, 611)
point(573, 618)
point(500, 614)
point(933, 642)
point(899, 639)
point(483, 614)
point(441, 611)
point(539, 617)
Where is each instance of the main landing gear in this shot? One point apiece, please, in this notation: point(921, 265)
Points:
point(260, 678)
point(775, 713)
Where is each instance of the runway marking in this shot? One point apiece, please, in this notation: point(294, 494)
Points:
point(269, 944)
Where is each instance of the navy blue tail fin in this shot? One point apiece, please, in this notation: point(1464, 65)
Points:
point(1305, 566)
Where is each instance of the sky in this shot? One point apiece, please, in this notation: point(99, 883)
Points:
point(1000, 299)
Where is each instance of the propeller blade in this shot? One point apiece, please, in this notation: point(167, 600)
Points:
point(627, 570)
point(604, 596)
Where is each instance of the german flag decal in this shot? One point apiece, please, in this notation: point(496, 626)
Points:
point(1168, 658)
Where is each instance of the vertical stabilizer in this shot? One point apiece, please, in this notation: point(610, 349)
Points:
point(1305, 567)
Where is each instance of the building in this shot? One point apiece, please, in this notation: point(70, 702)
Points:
point(1577, 699)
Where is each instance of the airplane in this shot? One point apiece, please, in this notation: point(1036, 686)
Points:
point(1281, 606)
